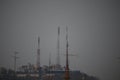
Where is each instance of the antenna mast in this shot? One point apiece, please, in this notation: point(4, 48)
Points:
point(15, 58)
point(67, 76)
point(58, 51)
point(38, 54)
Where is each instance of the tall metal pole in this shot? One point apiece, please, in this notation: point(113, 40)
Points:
point(38, 59)
point(15, 58)
point(49, 60)
point(67, 76)
point(38, 53)
point(58, 53)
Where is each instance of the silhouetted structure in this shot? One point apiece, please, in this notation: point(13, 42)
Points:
point(15, 58)
point(38, 59)
point(50, 72)
point(38, 53)
point(58, 50)
point(67, 76)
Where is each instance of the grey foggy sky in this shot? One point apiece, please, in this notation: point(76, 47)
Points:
point(93, 33)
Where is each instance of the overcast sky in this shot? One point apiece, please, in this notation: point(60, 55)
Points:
point(93, 30)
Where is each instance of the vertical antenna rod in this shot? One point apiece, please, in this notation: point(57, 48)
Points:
point(49, 59)
point(58, 46)
point(15, 58)
point(49, 62)
point(38, 54)
point(67, 76)
point(38, 60)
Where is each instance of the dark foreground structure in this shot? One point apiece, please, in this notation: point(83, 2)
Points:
point(45, 75)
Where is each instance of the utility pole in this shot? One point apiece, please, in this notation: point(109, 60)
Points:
point(49, 61)
point(15, 59)
point(38, 59)
point(38, 53)
point(58, 51)
point(67, 75)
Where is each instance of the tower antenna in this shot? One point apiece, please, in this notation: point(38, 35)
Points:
point(15, 60)
point(58, 48)
point(38, 53)
point(38, 59)
point(49, 59)
point(49, 62)
point(67, 76)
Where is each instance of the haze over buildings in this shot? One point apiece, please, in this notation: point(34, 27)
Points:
point(93, 30)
